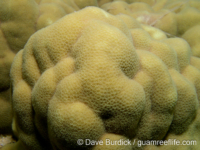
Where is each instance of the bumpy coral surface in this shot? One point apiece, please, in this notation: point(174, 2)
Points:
point(177, 18)
point(144, 13)
point(19, 19)
point(193, 38)
point(92, 75)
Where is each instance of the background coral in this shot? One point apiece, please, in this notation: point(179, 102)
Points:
point(175, 17)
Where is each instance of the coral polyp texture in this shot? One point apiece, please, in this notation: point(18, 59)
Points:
point(95, 76)
point(19, 19)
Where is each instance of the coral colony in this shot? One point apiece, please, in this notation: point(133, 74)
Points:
point(100, 74)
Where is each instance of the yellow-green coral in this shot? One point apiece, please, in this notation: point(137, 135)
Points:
point(192, 36)
point(19, 19)
point(144, 13)
point(175, 17)
point(91, 76)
